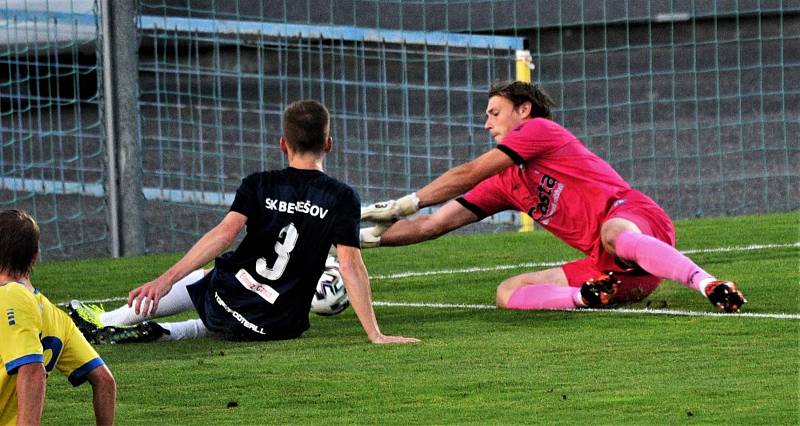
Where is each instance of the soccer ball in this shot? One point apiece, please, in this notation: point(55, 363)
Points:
point(330, 298)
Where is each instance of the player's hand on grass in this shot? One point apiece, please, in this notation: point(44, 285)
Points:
point(391, 210)
point(371, 237)
point(144, 299)
point(382, 340)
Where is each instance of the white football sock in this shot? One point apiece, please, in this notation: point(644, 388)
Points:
point(176, 301)
point(189, 329)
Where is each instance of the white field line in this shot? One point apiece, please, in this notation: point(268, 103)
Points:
point(398, 275)
point(670, 312)
point(751, 247)
point(96, 301)
point(614, 310)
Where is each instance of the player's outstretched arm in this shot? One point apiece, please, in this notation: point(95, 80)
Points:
point(104, 395)
point(418, 229)
point(30, 393)
point(356, 280)
point(451, 184)
point(144, 299)
point(461, 179)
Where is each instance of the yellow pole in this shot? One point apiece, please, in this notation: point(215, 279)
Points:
point(524, 67)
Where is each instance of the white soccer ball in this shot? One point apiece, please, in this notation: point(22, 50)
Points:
point(330, 298)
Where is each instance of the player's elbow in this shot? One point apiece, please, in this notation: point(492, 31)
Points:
point(431, 227)
point(348, 273)
point(102, 379)
point(226, 231)
point(30, 393)
point(465, 177)
point(346, 267)
point(226, 234)
point(104, 389)
point(350, 262)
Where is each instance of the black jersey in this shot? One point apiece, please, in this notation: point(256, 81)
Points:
point(263, 289)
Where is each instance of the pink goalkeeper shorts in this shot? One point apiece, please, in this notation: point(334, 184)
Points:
point(636, 284)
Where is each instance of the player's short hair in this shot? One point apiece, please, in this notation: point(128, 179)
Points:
point(306, 125)
point(519, 92)
point(19, 242)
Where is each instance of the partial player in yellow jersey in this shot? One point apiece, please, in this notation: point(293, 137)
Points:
point(36, 336)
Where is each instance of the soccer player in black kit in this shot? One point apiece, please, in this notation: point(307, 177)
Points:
point(263, 289)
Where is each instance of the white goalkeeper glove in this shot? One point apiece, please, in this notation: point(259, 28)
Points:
point(392, 210)
point(371, 237)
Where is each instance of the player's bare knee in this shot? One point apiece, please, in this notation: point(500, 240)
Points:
point(504, 292)
point(501, 300)
point(612, 229)
point(608, 242)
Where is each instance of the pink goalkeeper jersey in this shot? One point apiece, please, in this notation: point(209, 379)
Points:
point(560, 183)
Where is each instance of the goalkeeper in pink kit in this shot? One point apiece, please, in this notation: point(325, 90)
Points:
point(540, 168)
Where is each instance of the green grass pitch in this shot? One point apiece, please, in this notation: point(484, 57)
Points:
point(477, 366)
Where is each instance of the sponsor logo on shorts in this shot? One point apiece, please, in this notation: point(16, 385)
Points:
point(239, 317)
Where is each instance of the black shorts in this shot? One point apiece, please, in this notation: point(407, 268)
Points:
point(221, 319)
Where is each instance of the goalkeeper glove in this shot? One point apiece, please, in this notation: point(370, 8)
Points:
point(371, 237)
point(392, 210)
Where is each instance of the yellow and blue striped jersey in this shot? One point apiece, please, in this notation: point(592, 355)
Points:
point(33, 330)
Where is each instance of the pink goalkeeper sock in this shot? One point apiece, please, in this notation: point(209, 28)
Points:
point(544, 296)
point(660, 259)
